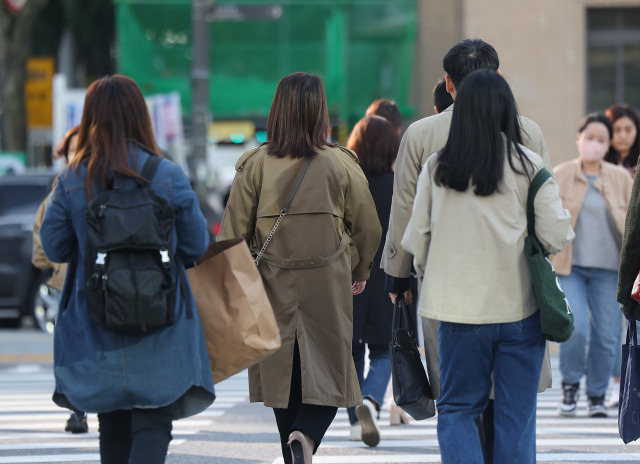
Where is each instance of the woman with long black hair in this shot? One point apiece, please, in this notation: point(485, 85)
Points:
point(466, 234)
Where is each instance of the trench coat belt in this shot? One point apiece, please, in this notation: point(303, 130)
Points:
point(308, 263)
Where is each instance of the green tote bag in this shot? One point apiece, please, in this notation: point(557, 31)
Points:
point(556, 317)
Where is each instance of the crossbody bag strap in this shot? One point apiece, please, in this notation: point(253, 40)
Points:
point(283, 212)
point(539, 179)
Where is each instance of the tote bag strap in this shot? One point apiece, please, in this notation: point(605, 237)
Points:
point(539, 179)
point(632, 334)
point(283, 212)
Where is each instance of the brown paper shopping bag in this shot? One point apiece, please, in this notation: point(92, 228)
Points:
point(239, 326)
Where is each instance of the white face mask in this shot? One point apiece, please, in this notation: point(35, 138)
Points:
point(593, 142)
point(592, 151)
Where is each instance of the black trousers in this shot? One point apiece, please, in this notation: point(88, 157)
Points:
point(135, 436)
point(311, 419)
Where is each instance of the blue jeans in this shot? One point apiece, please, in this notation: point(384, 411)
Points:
point(592, 295)
point(374, 386)
point(469, 354)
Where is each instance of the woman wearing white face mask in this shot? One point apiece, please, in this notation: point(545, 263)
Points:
point(596, 193)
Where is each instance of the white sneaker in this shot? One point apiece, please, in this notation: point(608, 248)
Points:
point(367, 414)
point(614, 399)
point(356, 432)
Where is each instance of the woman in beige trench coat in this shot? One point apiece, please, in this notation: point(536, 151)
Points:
point(320, 256)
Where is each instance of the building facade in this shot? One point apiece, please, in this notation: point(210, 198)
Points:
point(562, 58)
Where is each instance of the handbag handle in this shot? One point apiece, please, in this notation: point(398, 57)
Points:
point(632, 334)
point(283, 212)
point(401, 317)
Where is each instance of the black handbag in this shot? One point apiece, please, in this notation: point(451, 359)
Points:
point(629, 402)
point(411, 389)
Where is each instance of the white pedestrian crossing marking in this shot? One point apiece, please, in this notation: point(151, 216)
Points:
point(32, 426)
point(31, 431)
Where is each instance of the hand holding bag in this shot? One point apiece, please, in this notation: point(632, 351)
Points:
point(629, 403)
point(556, 318)
point(239, 326)
point(635, 291)
point(411, 389)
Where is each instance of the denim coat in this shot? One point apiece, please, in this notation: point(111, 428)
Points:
point(97, 370)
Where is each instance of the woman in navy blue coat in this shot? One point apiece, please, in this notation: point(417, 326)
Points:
point(137, 384)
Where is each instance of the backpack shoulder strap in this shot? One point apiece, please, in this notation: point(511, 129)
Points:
point(148, 171)
point(539, 179)
point(150, 167)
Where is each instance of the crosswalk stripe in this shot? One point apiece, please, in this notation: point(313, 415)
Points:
point(39, 446)
point(189, 422)
point(26, 406)
point(53, 458)
point(414, 458)
point(58, 435)
point(564, 442)
point(421, 458)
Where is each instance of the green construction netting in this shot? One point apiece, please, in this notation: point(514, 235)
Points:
point(363, 50)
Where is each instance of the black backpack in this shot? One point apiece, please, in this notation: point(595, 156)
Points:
point(129, 257)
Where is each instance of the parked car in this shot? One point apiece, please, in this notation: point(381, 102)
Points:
point(23, 287)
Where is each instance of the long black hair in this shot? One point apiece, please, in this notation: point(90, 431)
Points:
point(484, 112)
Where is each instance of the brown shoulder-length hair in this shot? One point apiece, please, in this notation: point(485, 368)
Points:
point(115, 115)
point(615, 112)
point(376, 142)
point(298, 122)
point(388, 110)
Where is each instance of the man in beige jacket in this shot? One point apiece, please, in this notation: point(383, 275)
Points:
point(422, 138)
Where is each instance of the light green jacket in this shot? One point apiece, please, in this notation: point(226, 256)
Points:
point(470, 248)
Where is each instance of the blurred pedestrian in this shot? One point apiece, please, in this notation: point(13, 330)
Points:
point(319, 257)
point(97, 370)
point(376, 142)
point(624, 151)
point(388, 110)
point(596, 193)
point(476, 278)
point(65, 150)
point(441, 98)
point(625, 144)
point(421, 139)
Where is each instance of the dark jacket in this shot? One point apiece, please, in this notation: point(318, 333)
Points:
point(372, 309)
point(630, 252)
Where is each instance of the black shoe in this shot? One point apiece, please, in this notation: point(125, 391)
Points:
point(569, 399)
point(596, 407)
point(77, 424)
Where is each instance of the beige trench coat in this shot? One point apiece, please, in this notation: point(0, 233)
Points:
point(326, 241)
